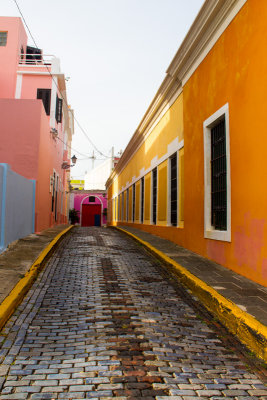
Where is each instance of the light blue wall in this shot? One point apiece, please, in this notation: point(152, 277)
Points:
point(17, 201)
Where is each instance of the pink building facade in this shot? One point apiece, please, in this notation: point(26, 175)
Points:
point(91, 206)
point(36, 122)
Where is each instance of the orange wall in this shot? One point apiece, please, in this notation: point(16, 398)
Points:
point(233, 72)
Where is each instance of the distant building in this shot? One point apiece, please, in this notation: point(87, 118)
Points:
point(77, 184)
point(96, 178)
point(36, 121)
point(91, 203)
point(194, 171)
point(91, 206)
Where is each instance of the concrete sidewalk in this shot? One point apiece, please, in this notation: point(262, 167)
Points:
point(238, 302)
point(20, 255)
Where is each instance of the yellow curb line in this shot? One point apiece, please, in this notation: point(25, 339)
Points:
point(244, 326)
point(14, 298)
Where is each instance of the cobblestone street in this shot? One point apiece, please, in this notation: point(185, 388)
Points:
point(102, 321)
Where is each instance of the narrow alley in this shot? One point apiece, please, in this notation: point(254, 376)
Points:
point(103, 320)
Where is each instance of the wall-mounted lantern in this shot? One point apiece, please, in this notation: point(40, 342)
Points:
point(65, 164)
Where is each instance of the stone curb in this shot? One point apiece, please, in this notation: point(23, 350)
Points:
point(15, 297)
point(249, 331)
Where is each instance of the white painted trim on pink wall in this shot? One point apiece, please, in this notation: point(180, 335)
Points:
point(18, 87)
point(101, 207)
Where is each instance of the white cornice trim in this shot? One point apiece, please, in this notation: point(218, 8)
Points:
point(204, 33)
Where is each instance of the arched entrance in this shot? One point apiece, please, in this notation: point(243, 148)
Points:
point(91, 212)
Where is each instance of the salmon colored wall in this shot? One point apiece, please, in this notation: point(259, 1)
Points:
point(28, 147)
point(30, 84)
point(233, 72)
point(45, 169)
point(9, 54)
point(20, 138)
point(26, 142)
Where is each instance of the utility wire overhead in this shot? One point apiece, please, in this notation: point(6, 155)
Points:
point(63, 98)
point(72, 148)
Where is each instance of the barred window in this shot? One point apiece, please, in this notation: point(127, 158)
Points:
point(119, 209)
point(173, 177)
point(142, 199)
point(127, 205)
point(133, 202)
point(154, 195)
point(218, 177)
point(122, 206)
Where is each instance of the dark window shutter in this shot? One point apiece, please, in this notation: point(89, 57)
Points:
point(154, 195)
point(218, 177)
point(59, 110)
point(45, 96)
point(174, 189)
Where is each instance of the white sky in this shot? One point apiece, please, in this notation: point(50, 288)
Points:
point(115, 52)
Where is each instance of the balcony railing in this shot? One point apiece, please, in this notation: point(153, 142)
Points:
point(35, 59)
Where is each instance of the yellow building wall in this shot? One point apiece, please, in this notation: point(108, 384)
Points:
point(162, 193)
point(166, 130)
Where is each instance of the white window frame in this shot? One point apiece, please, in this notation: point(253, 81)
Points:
point(209, 231)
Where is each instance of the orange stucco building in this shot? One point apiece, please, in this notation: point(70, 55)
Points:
point(36, 124)
point(194, 171)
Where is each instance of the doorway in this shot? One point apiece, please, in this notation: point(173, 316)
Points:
point(91, 215)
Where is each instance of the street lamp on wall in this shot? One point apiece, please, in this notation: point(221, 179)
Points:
point(65, 164)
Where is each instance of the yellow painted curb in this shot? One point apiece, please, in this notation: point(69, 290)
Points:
point(244, 326)
point(14, 298)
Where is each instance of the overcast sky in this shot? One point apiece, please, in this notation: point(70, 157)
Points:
point(115, 52)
